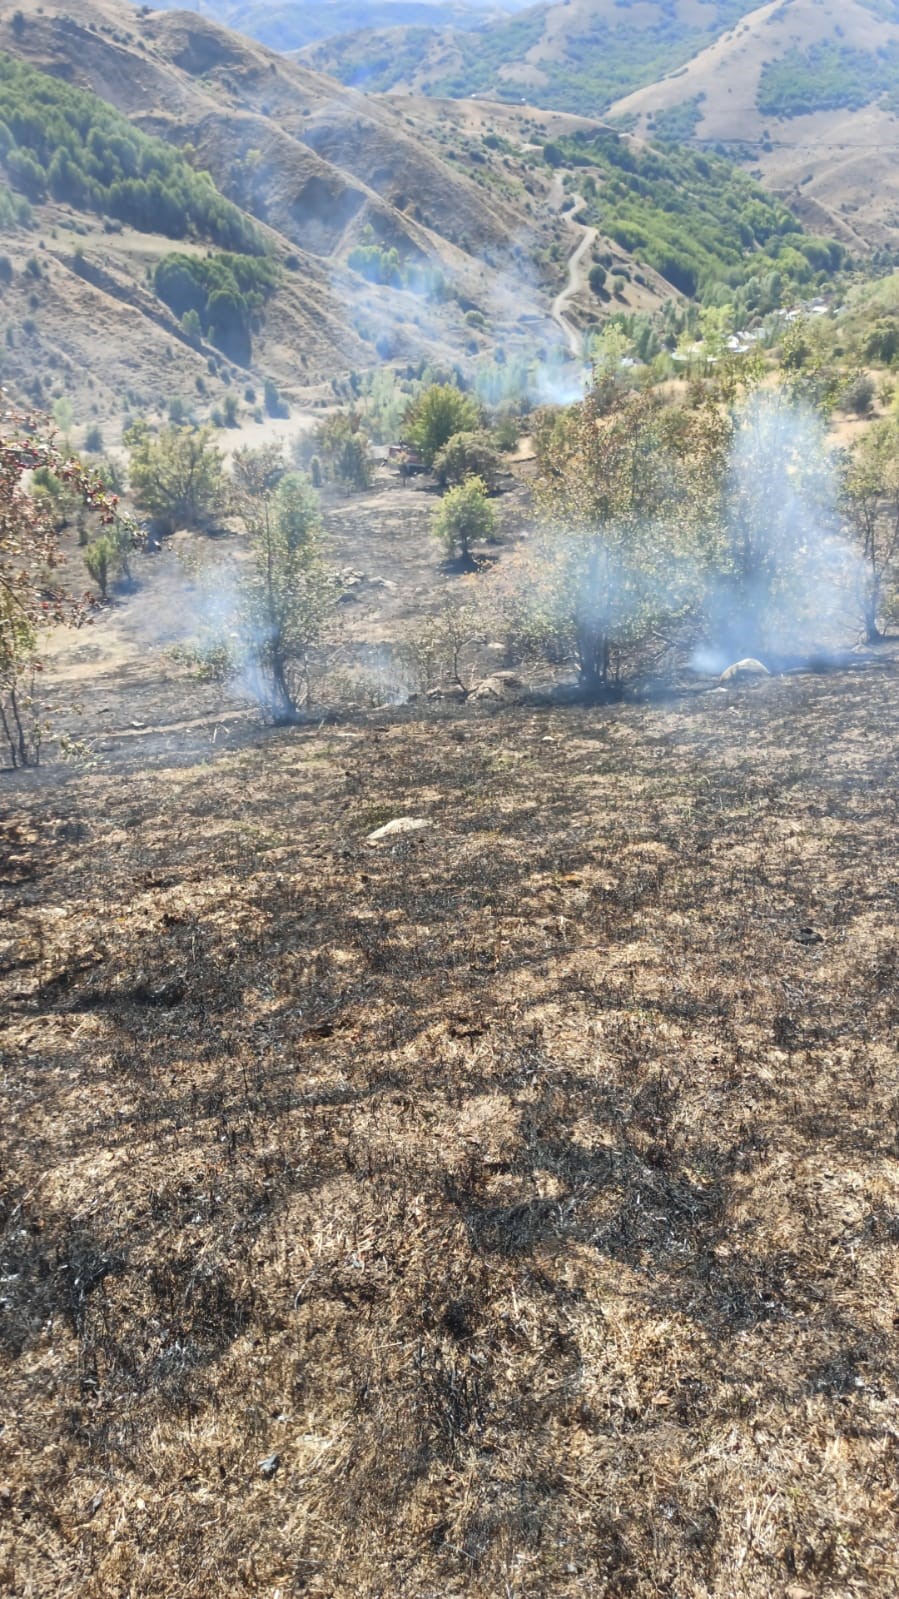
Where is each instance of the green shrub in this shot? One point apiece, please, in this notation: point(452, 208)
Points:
point(439, 413)
point(343, 449)
point(463, 516)
point(467, 455)
point(176, 475)
point(217, 295)
point(274, 404)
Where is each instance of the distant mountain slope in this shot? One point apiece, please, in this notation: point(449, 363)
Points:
point(576, 56)
point(319, 168)
point(809, 89)
point(401, 231)
point(284, 25)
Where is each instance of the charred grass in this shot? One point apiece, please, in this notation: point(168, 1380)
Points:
point(523, 1192)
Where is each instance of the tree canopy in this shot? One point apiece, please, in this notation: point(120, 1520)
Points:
point(61, 141)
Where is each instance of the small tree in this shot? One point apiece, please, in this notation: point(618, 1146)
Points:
point(99, 558)
point(344, 450)
point(463, 516)
point(871, 502)
point(31, 596)
point(467, 455)
point(290, 595)
point(107, 557)
point(858, 395)
point(176, 474)
point(440, 412)
point(625, 489)
point(274, 404)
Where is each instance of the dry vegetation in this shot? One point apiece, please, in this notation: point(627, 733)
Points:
point(523, 1192)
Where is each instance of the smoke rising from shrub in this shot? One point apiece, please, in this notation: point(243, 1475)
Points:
point(790, 581)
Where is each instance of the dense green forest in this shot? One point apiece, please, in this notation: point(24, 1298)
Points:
point(700, 221)
point(827, 77)
point(217, 295)
point(68, 144)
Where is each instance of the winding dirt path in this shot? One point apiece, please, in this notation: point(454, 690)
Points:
point(578, 269)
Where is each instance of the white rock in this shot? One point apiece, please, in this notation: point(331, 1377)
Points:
point(400, 824)
point(499, 686)
point(744, 669)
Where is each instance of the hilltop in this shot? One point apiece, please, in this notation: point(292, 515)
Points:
point(290, 27)
point(808, 90)
point(578, 56)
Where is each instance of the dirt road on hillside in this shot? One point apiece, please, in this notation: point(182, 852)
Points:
point(578, 269)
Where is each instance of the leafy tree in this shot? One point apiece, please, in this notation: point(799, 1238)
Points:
point(274, 404)
point(377, 264)
point(344, 450)
point(463, 516)
point(217, 295)
point(467, 455)
point(176, 474)
point(440, 412)
point(626, 489)
point(32, 596)
point(858, 395)
point(871, 502)
point(290, 595)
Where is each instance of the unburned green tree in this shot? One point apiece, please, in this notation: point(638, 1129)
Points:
point(439, 413)
point(871, 503)
point(467, 455)
point(626, 489)
point(290, 595)
point(177, 475)
point(463, 517)
point(343, 449)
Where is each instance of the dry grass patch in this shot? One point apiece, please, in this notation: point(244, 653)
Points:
point(528, 1186)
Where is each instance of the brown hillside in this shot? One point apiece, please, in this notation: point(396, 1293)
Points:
point(315, 164)
point(837, 167)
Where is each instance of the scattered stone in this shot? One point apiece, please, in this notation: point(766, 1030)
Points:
point(744, 671)
point(447, 691)
point(399, 825)
point(269, 1466)
point(498, 686)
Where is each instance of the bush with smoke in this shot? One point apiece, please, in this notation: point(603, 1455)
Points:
point(288, 596)
point(707, 532)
